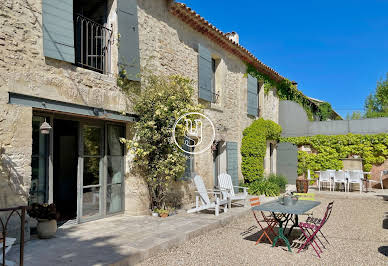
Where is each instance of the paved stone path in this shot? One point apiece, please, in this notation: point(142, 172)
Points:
point(121, 239)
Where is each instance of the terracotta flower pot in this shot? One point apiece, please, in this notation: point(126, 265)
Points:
point(163, 215)
point(302, 185)
point(46, 228)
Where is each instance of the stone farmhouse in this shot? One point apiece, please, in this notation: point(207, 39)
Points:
point(59, 60)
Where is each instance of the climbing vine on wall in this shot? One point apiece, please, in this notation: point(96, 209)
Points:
point(253, 147)
point(329, 150)
point(288, 91)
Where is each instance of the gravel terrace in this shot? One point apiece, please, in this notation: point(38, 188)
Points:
point(355, 231)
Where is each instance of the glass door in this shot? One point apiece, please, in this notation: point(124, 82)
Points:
point(91, 172)
point(115, 169)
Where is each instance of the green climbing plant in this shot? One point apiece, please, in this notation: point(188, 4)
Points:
point(329, 150)
point(288, 91)
point(253, 147)
point(160, 101)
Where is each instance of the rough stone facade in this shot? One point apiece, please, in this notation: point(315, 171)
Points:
point(167, 46)
point(25, 70)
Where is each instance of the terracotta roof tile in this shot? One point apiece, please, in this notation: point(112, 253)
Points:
point(198, 23)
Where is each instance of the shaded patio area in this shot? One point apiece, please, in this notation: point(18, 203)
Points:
point(120, 239)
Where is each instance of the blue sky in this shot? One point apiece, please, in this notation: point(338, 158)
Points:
point(335, 50)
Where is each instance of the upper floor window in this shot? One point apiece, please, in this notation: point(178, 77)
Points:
point(215, 92)
point(92, 37)
point(207, 75)
point(252, 96)
point(258, 98)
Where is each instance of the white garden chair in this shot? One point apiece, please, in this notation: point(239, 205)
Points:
point(340, 177)
point(202, 200)
point(382, 173)
point(227, 189)
point(324, 177)
point(355, 177)
point(9, 241)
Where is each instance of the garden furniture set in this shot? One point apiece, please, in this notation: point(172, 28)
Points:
point(282, 214)
point(347, 177)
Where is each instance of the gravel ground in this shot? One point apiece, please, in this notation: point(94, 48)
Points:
point(354, 230)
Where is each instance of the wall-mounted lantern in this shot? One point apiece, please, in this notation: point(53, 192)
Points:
point(45, 128)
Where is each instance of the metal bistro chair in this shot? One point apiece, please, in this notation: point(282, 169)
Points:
point(311, 227)
point(271, 222)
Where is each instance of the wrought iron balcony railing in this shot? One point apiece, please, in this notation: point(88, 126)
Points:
point(92, 44)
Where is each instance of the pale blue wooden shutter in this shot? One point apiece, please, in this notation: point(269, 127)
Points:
point(129, 56)
point(232, 162)
point(253, 101)
point(204, 74)
point(58, 29)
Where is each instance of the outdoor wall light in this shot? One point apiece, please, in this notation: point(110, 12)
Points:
point(45, 128)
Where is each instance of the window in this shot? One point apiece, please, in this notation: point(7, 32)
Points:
point(115, 178)
point(214, 91)
point(92, 37)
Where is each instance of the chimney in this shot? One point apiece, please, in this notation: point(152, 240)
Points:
point(233, 36)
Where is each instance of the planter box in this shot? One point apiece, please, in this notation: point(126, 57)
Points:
point(302, 185)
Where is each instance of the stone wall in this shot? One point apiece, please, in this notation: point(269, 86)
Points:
point(269, 104)
point(169, 46)
point(25, 70)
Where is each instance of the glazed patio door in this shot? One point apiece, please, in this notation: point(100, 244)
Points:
point(91, 172)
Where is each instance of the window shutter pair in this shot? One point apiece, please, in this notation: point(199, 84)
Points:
point(58, 33)
point(232, 162)
point(252, 99)
point(205, 88)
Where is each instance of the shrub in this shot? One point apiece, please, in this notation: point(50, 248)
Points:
point(254, 145)
point(279, 180)
point(263, 187)
point(161, 101)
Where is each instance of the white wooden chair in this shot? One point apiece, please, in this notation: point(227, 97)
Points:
point(355, 177)
point(340, 177)
point(227, 189)
point(204, 199)
point(9, 241)
point(324, 177)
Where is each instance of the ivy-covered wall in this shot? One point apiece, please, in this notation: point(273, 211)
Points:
point(288, 91)
point(327, 151)
point(253, 147)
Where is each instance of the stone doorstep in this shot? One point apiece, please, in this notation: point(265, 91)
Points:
point(137, 256)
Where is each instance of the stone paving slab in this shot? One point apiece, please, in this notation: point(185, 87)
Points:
point(120, 240)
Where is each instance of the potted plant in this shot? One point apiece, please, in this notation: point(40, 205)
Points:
point(45, 214)
point(302, 185)
point(162, 212)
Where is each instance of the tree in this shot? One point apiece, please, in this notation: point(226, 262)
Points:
point(161, 101)
point(354, 116)
point(376, 105)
